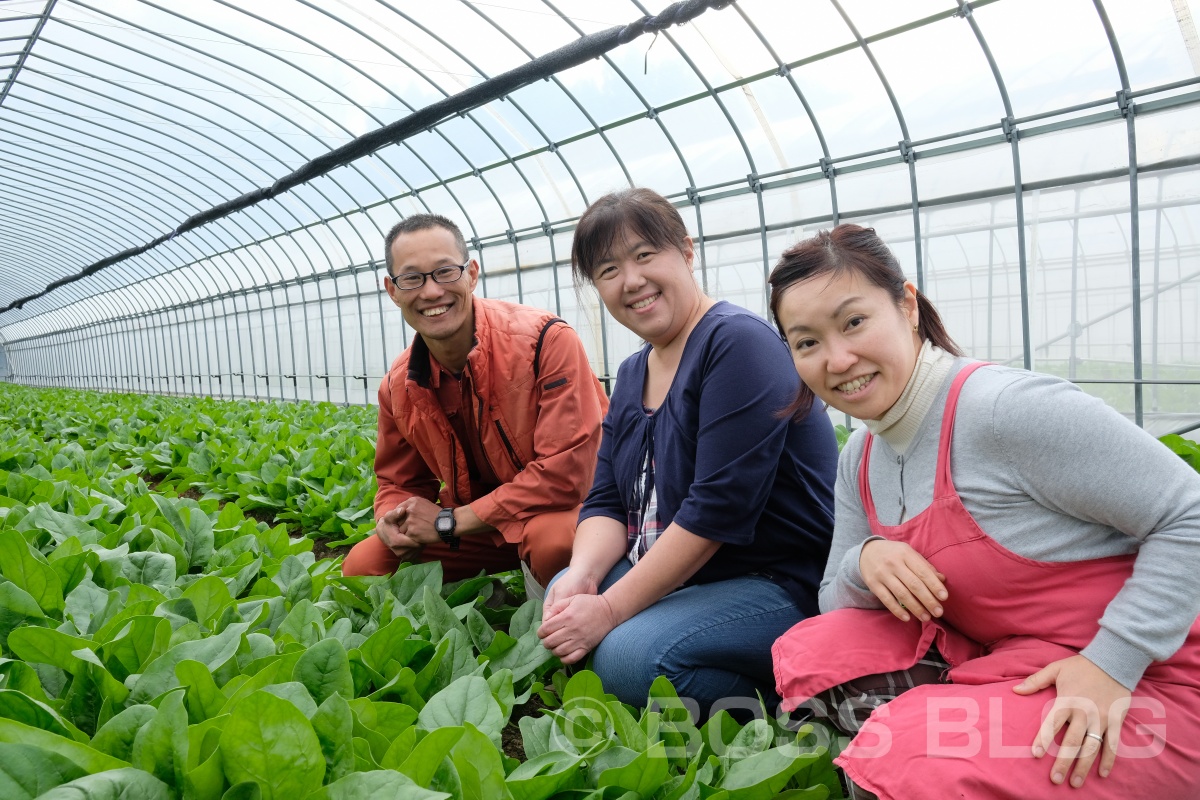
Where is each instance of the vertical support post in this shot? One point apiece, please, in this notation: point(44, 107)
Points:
point(1013, 136)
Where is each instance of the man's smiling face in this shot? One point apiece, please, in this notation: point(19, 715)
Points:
point(437, 311)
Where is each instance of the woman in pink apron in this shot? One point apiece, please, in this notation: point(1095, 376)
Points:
point(1012, 586)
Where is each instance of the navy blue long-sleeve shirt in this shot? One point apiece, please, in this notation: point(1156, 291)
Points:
point(727, 465)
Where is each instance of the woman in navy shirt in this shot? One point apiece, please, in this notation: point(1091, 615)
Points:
point(707, 528)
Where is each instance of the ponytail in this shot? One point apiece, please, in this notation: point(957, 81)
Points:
point(930, 327)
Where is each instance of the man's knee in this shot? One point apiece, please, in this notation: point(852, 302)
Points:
point(546, 543)
point(370, 557)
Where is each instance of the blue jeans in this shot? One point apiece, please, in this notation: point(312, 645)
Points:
point(712, 641)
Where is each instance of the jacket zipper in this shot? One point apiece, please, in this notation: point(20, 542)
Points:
point(479, 422)
point(454, 469)
point(512, 454)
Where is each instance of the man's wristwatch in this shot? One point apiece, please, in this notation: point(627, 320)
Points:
point(444, 525)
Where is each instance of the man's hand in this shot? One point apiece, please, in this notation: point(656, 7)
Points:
point(391, 530)
point(419, 515)
point(1091, 706)
point(902, 579)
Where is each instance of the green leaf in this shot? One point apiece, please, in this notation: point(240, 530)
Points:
point(30, 571)
point(209, 595)
point(536, 733)
point(269, 742)
point(524, 656)
point(244, 576)
point(439, 616)
point(89, 606)
point(422, 764)
point(22, 677)
point(193, 528)
point(480, 766)
point(303, 623)
point(643, 775)
point(390, 720)
point(143, 639)
point(626, 727)
point(213, 652)
point(22, 708)
point(408, 583)
point(467, 699)
point(206, 780)
point(334, 726)
point(544, 776)
point(380, 784)
point(583, 684)
point(72, 569)
point(325, 670)
point(479, 629)
point(26, 772)
point(149, 568)
point(384, 644)
point(756, 737)
point(45, 646)
point(527, 618)
point(161, 746)
point(764, 774)
point(295, 693)
point(204, 699)
point(118, 784)
point(116, 736)
point(811, 793)
point(89, 759)
point(243, 791)
point(17, 607)
point(400, 749)
point(60, 526)
point(719, 732)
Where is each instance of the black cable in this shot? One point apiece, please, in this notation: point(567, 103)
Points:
point(570, 55)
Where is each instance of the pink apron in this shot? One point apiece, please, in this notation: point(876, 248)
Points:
point(1007, 617)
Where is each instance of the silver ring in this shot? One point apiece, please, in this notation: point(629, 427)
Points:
point(1095, 736)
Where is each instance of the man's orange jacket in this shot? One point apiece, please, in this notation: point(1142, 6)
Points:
point(538, 407)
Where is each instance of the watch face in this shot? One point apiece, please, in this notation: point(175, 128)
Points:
point(444, 523)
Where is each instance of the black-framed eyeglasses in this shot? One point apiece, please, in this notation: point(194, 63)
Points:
point(407, 281)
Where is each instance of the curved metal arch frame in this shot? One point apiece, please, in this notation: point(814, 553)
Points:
point(1017, 183)
point(361, 174)
point(196, 287)
point(1012, 134)
point(1125, 103)
point(285, 209)
point(301, 100)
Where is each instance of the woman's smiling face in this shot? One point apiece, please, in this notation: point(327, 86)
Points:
point(649, 290)
point(851, 343)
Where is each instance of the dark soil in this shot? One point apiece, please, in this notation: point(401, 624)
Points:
point(510, 737)
point(262, 515)
point(321, 549)
point(191, 494)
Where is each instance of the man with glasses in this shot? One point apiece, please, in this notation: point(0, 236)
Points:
point(492, 411)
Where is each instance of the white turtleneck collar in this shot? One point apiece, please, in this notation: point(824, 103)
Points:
point(899, 425)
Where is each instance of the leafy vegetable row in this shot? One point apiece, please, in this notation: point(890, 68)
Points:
point(164, 647)
point(307, 464)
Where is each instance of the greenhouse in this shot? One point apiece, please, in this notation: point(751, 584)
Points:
point(199, 209)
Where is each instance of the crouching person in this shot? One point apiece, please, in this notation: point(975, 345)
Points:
point(494, 403)
point(709, 522)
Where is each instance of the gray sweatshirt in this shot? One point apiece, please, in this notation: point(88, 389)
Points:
point(1051, 474)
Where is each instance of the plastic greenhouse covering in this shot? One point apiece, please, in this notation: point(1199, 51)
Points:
point(1032, 162)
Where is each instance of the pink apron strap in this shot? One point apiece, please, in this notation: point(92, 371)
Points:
point(864, 482)
point(943, 483)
